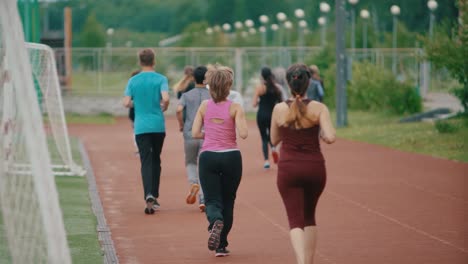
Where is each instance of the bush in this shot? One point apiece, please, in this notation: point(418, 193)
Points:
point(375, 89)
point(462, 94)
point(444, 127)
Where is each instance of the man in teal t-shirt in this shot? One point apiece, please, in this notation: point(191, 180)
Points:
point(148, 93)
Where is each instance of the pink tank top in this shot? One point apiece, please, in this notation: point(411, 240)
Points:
point(220, 128)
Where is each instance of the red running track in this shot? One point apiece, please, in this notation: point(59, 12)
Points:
point(379, 206)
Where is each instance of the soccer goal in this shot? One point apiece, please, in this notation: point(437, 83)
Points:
point(47, 87)
point(31, 225)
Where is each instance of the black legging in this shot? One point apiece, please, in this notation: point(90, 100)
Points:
point(149, 148)
point(220, 176)
point(264, 123)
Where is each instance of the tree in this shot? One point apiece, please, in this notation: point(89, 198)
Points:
point(450, 52)
point(93, 34)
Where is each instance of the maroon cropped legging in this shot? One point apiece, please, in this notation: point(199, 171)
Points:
point(300, 184)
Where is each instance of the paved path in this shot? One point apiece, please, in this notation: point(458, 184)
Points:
point(380, 205)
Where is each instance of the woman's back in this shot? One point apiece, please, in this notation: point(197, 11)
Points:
point(302, 143)
point(220, 130)
point(268, 100)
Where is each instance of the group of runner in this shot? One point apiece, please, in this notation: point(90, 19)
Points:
point(211, 118)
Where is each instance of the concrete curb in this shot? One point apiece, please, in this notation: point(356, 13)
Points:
point(104, 233)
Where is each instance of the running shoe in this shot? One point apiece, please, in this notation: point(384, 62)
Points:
point(275, 156)
point(266, 165)
point(202, 208)
point(150, 202)
point(192, 195)
point(215, 235)
point(222, 252)
point(156, 205)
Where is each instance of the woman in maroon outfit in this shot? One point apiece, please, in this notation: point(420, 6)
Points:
point(299, 124)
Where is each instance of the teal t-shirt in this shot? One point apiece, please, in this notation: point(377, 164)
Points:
point(145, 89)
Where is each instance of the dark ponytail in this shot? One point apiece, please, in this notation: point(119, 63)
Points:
point(298, 76)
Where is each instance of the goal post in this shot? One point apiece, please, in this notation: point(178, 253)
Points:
point(45, 77)
point(31, 225)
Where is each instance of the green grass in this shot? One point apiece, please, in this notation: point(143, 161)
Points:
point(80, 222)
point(418, 137)
point(79, 219)
point(101, 119)
point(108, 83)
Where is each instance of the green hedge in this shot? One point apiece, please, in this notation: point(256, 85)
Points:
point(374, 89)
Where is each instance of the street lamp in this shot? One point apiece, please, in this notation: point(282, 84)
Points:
point(226, 27)
point(288, 26)
point(299, 13)
point(364, 15)
point(238, 25)
point(281, 18)
point(324, 8)
point(110, 32)
point(395, 10)
point(353, 22)
point(322, 22)
point(432, 5)
point(249, 23)
point(264, 20)
point(300, 42)
point(209, 31)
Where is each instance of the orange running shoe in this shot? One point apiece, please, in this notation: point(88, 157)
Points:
point(275, 156)
point(192, 195)
point(202, 208)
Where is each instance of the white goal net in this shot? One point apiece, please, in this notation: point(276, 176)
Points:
point(31, 225)
point(47, 86)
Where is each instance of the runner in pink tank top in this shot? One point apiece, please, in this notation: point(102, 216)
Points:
point(220, 162)
point(220, 130)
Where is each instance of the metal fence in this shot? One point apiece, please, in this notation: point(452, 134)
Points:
point(105, 71)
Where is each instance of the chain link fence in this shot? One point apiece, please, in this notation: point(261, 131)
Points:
point(105, 71)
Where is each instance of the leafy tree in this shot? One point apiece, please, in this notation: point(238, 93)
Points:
point(93, 34)
point(451, 52)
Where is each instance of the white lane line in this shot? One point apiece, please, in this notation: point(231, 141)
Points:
point(280, 227)
point(391, 219)
point(417, 187)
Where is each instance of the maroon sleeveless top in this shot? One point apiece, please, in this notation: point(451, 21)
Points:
point(300, 144)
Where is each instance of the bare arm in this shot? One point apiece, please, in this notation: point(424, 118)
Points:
point(164, 101)
point(327, 131)
point(127, 102)
point(241, 124)
point(258, 92)
point(198, 122)
point(274, 129)
point(180, 116)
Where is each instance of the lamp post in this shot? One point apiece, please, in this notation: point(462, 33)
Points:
point(263, 30)
point(395, 10)
point(299, 13)
point(353, 22)
point(209, 31)
point(226, 27)
point(324, 8)
point(322, 22)
point(302, 28)
point(110, 32)
point(432, 5)
point(281, 18)
point(365, 16)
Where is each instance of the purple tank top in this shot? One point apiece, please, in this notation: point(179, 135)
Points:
point(220, 128)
